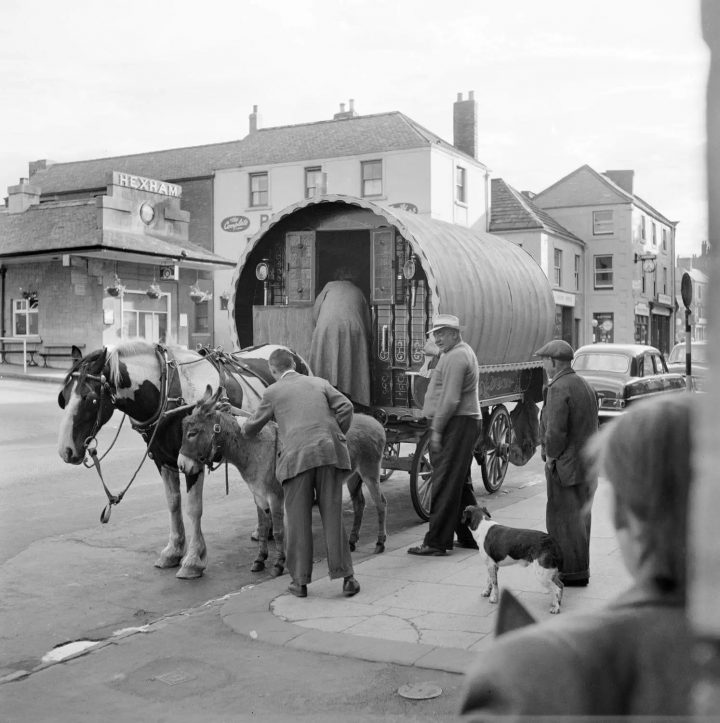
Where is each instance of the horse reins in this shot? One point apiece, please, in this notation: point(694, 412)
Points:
point(142, 427)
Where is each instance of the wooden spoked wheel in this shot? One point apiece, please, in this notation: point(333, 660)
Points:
point(421, 472)
point(493, 457)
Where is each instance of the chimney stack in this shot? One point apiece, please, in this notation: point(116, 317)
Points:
point(22, 196)
point(254, 118)
point(624, 179)
point(350, 113)
point(41, 165)
point(465, 127)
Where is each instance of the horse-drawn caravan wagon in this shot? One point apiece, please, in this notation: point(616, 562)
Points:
point(409, 268)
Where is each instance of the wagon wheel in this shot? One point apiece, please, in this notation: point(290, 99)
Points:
point(391, 451)
point(421, 478)
point(493, 456)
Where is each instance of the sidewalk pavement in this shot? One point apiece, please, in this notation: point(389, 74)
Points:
point(53, 375)
point(422, 611)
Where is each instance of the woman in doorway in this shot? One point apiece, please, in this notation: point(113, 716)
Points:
point(339, 349)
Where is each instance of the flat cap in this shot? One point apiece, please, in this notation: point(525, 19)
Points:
point(556, 349)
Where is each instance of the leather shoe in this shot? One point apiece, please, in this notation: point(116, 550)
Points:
point(583, 582)
point(350, 587)
point(297, 590)
point(466, 544)
point(426, 551)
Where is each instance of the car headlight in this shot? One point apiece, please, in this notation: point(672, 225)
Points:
point(614, 403)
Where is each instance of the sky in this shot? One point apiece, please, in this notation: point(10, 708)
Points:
point(615, 84)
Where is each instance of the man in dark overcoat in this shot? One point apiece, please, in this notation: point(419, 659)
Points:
point(569, 418)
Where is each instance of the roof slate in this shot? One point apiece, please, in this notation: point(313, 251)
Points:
point(512, 211)
point(361, 135)
point(73, 225)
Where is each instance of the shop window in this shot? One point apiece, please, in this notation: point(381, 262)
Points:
point(201, 324)
point(641, 329)
point(603, 327)
point(25, 315)
point(603, 223)
point(313, 181)
point(371, 175)
point(460, 185)
point(603, 272)
point(557, 267)
point(258, 189)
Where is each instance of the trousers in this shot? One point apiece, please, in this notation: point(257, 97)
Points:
point(451, 490)
point(324, 484)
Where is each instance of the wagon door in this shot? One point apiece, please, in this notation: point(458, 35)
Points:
point(399, 306)
point(291, 322)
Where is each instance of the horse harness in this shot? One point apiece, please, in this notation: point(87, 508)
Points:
point(169, 406)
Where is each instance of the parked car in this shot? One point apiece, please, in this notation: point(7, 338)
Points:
point(698, 357)
point(621, 374)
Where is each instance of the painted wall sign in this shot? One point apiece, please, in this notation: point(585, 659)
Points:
point(405, 206)
point(233, 224)
point(140, 183)
point(562, 298)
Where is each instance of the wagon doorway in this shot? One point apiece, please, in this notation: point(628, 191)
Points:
point(338, 249)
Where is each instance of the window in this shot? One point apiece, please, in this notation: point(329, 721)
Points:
point(313, 181)
point(201, 323)
point(664, 281)
point(642, 228)
point(604, 332)
point(557, 264)
point(25, 315)
point(664, 239)
point(371, 178)
point(654, 233)
point(258, 189)
point(460, 185)
point(603, 272)
point(577, 272)
point(603, 223)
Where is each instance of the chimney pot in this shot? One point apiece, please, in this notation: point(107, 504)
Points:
point(459, 96)
point(352, 104)
point(342, 107)
point(471, 95)
point(23, 180)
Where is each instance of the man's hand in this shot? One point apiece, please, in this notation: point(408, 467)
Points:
point(435, 442)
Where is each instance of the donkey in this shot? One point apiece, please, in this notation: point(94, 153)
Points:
point(211, 433)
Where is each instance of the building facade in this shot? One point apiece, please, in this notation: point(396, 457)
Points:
point(558, 252)
point(629, 261)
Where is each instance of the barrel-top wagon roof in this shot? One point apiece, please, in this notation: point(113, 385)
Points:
point(501, 295)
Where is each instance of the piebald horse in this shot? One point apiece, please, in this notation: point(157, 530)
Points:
point(156, 386)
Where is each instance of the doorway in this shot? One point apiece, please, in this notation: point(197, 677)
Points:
point(343, 248)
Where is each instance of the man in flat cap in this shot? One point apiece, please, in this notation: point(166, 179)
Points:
point(452, 405)
point(569, 418)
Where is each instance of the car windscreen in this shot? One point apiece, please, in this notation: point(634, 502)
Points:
point(698, 354)
point(601, 362)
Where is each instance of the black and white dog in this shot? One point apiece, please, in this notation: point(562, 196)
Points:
point(501, 546)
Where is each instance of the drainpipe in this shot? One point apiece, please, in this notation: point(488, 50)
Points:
point(3, 271)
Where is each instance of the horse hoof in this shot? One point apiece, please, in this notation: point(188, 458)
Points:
point(352, 547)
point(380, 547)
point(189, 573)
point(257, 566)
point(276, 570)
point(166, 562)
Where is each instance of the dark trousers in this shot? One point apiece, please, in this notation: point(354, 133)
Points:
point(568, 519)
point(451, 486)
point(325, 484)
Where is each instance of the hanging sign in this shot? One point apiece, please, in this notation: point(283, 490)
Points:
point(232, 224)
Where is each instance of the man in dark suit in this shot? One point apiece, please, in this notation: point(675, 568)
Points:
point(569, 418)
point(312, 418)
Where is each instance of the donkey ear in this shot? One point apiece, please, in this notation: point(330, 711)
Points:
point(219, 394)
point(205, 404)
point(486, 512)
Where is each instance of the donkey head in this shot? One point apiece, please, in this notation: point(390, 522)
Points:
point(199, 431)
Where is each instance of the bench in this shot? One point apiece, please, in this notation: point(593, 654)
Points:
point(18, 345)
point(61, 351)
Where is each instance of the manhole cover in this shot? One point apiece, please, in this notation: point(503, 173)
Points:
point(420, 691)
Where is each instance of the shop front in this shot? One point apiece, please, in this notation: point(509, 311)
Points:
point(93, 272)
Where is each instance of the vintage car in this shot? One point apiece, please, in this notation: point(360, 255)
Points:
point(622, 374)
point(698, 358)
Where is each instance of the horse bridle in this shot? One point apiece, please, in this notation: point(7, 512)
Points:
point(153, 423)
